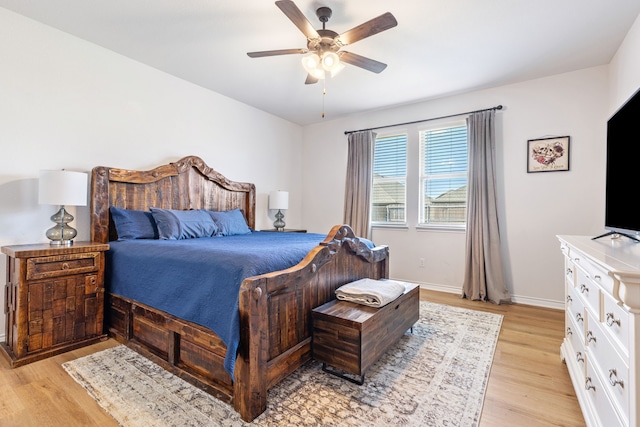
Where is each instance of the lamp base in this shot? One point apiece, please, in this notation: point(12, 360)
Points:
point(61, 243)
point(62, 233)
point(279, 223)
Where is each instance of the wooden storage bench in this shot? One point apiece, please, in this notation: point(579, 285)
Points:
point(351, 337)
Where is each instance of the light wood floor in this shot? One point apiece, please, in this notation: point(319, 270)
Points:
point(528, 385)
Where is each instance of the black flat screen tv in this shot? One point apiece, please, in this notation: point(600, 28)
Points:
point(622, 217)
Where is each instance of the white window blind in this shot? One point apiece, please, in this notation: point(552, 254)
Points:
point(388, 200)
point(443, 175)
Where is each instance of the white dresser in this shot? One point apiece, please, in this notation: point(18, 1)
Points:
point(602, 321)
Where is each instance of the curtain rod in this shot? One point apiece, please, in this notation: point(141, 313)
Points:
point(497, 107)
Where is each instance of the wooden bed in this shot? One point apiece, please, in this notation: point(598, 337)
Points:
point(275, 308)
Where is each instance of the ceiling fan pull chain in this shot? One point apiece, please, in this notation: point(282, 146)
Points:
point(324, 93)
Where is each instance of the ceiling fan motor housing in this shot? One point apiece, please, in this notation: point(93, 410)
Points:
point(323, 14)
point(326, 42)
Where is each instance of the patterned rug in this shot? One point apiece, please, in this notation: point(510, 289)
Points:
point(435, 376)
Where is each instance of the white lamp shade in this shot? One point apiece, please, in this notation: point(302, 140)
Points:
point(60, 187)
point(279, 200)
point(330, 61)
point(313, 65)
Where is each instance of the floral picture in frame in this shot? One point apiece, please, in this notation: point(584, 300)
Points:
point(548, 154)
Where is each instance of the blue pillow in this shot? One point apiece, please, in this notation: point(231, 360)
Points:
point(230, 222)
point(133, 224)
point(176, 224)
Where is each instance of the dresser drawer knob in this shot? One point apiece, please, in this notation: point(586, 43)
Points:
point(590, 337)
point(65, 266)
point(611, 320)
point(584, 288)
point(588, 385)
point(596, 277)
point(569, 331)
point(579, 318)
point(613, 378)
point(569, 299)
point(579, 357)
point(569, 272)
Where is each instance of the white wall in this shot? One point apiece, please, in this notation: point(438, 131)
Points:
point(65, 103)
point(625, 68)
point(534, 207)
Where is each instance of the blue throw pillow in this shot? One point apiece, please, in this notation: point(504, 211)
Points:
point(230, 223)
point(133, 224)
point(177, 224)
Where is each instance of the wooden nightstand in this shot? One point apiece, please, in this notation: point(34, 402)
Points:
point(54, 299)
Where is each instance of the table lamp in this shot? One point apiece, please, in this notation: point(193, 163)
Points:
point(63, 188)
point(279, 200)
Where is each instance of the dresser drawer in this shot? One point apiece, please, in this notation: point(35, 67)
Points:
point(593, 271)
point(599, 399)
point(616, 323)
point(613, 370)
point(569, 270)
point(62, 265)
point(575, 335)
point(588, 291)
point(575, 311)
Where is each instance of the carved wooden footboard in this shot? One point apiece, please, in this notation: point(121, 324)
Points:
point(275, 308)
point(275, 312)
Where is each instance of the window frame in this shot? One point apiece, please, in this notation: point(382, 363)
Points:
point(422, 176)
point(392, 224)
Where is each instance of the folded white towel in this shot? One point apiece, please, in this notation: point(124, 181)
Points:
point(371, 292)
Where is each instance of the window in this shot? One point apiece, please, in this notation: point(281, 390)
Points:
point(388, 199)
point(443, 175)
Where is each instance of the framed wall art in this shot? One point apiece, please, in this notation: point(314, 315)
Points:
point(548, 154)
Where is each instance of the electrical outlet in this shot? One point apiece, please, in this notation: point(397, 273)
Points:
point(421, 263)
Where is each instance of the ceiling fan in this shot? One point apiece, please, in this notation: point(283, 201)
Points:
point(324, 45)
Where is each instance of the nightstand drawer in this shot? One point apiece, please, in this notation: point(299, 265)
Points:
point(62, 265)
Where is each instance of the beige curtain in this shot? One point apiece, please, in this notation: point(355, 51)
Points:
point(357, 195)
point(484, 276)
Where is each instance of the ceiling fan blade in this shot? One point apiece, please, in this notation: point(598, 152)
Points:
point(362, 62)
point(297, 17)
point(276, 52)
point(369, 28)
point(310, 80)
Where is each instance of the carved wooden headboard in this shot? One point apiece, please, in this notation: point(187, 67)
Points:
point(186, 184)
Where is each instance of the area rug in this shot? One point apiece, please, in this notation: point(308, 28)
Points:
point(435, 376)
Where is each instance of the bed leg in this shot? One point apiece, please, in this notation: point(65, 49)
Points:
point(250, 372)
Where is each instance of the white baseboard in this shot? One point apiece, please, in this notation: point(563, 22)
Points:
point(538, 302)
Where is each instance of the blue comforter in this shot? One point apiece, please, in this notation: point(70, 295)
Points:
point(199, 279)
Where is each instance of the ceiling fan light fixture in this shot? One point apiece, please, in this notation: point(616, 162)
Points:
point(311, 62)
point(337, 69)
point(330, 61)
point(318, 73)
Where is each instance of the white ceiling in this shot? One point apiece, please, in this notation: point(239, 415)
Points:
point(440, 47)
